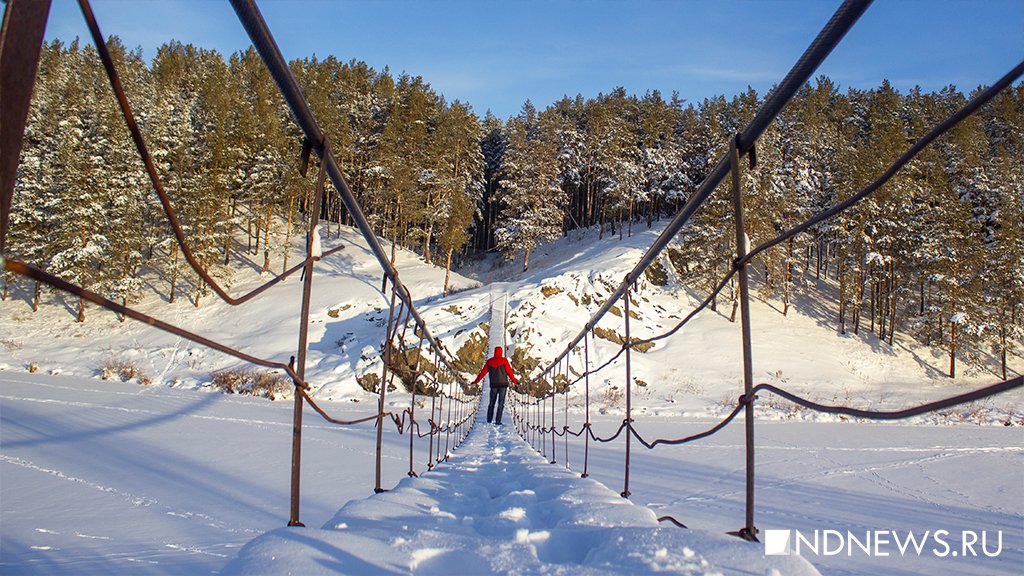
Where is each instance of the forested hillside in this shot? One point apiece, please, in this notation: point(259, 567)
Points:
point(936, 253)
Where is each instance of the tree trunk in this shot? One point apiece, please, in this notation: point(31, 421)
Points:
point(429, 231)
point(256, 228)
point(1002, 341)
point(426, 242)
point(447, 271)
point(199, 290)
point(842, 304)
point(629, 232)
point(788, 277)
point(266, 238)
point(227, 237)
point(174, 271)
point(874, 295)
point(288, 233)
point(735, 300)
point(817, 269)
point(81, 310)
point(859, 297)
point(921, 311)
point(36, 296)
point(526, 259)
point(394, 240)
point(892, 311)
point(952, 350)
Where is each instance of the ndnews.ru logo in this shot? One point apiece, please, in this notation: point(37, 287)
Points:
point(940, 543)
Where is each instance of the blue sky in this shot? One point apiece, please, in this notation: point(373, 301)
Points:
point(497, 54)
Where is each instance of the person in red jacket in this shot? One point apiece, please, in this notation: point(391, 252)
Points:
point(500, 372)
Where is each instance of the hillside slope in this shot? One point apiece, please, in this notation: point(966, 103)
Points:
point(695, 372)
point(699, 369)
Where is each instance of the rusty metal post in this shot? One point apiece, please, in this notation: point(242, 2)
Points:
point(749, 531)
point(388, 336)
point(520, 420)
point(412, 404)
point(21, 41)
point(565, 428)
point(543, 427)
point(586, 402)
point(300, 367)
point(458, 416)
point(448, 421)
point(629, 397)
point(430, 449)
point(538, 427)
point(554, 459)
point(440, 413)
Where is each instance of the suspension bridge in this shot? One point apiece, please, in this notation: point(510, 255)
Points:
point(469, 464)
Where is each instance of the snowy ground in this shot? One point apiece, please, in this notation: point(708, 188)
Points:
point(347, 320)
point(111, 478)
point(116, 478)
point(699, 369)
point(498, 507)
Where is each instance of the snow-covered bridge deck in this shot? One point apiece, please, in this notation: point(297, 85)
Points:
point(497, 507)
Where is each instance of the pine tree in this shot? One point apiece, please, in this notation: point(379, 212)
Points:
point(459, 166)
point(531, 198)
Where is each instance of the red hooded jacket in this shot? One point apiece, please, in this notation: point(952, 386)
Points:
point(498, 367)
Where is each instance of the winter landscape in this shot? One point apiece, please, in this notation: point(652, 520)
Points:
point(128, 449)
point(103, 477)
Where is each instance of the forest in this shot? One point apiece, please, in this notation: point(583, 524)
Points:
point(936, 253)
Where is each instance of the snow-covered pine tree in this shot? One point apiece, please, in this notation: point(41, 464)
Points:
point(36, 189)
point(531, 198)
point(459, 167)
point(492, 145)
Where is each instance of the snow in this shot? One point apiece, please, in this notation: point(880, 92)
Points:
point(316, 248)
point(698, 371)
point(498, 507)
point(113, 478)
point(349, 313)
point(101, 477)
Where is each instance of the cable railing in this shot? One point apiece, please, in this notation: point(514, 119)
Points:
point(452, 407)
point(530, 410)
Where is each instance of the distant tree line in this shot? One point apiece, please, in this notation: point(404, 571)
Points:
point(936, 252)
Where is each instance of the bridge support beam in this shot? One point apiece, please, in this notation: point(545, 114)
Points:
point(21, 41)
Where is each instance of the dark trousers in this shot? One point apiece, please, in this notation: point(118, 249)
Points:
point(499, 395)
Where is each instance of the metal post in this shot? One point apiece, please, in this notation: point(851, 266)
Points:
point(448, 425)
point(629, 398)
point(300, 367)
point(538, 427)
point(388, 335)
point(430, 449)
point(586, 402)
point(554, 459)
point(458, 415)
point(412, 404)
point(21, 41)
point(749, 531)
point(565, 429)
point(543, 427)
